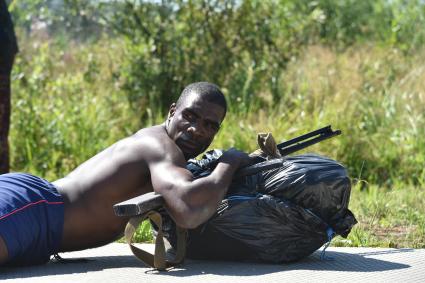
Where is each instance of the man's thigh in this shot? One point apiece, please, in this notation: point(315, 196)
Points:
point(3, 251)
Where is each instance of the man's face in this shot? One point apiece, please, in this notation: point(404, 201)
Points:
point(193, 124)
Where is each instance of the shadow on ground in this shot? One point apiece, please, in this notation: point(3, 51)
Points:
point(341, 262)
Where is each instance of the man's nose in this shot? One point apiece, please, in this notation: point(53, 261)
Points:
point(196, 129)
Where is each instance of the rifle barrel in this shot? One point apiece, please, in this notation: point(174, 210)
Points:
point(292, 146)
point(324, 130)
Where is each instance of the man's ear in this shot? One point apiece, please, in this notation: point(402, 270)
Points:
point(172, 110)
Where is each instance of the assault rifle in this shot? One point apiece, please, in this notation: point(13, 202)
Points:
point(146, 202)
point(146, 206)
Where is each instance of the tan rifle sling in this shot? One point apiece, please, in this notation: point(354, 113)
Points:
point(158, 259)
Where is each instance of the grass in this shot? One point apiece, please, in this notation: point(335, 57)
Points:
point(392, 217)
point(69, 104)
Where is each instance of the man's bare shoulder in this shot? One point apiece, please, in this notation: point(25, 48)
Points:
point(151, 132)
point(155, 144)
point(152, 137)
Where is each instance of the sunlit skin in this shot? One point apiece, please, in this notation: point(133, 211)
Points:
point(153, 159)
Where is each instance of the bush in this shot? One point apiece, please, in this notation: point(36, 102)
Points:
point(286, 66)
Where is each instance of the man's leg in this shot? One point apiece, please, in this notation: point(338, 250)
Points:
point(3, 251)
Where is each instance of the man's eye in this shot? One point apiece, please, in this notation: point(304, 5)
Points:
point(188, 116)
point(213, 127)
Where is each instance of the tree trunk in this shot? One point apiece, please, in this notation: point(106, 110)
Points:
point(8, 49)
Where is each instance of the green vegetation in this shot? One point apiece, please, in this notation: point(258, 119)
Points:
point(285, 66)
point(387, 217)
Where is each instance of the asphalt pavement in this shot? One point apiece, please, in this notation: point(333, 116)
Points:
point(115, 263)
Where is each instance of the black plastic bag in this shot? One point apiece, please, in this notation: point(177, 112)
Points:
point(278, 215)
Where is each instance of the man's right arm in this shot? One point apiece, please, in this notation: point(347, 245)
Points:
point(190, 202)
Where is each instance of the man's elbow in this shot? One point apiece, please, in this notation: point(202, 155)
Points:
point(190, 219)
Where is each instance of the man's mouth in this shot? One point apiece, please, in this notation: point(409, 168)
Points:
point(189, 146)
point(188, 141)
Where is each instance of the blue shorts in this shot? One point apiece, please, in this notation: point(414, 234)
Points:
point(31, 218)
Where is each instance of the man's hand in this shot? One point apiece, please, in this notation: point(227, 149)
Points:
point(236, 158)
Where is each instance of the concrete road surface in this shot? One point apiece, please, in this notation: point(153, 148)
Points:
point(115, 263)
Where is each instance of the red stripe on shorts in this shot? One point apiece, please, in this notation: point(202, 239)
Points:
point(28, 205)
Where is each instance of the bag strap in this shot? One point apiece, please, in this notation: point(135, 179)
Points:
point(158, 259)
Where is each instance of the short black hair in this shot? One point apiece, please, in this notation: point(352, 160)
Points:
point(208, 91)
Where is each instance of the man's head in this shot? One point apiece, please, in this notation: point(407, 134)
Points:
point(196, 117)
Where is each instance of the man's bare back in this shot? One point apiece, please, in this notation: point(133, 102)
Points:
point(153, 159)
point(113, 175)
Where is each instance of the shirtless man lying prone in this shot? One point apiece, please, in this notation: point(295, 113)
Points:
point(39, 219)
